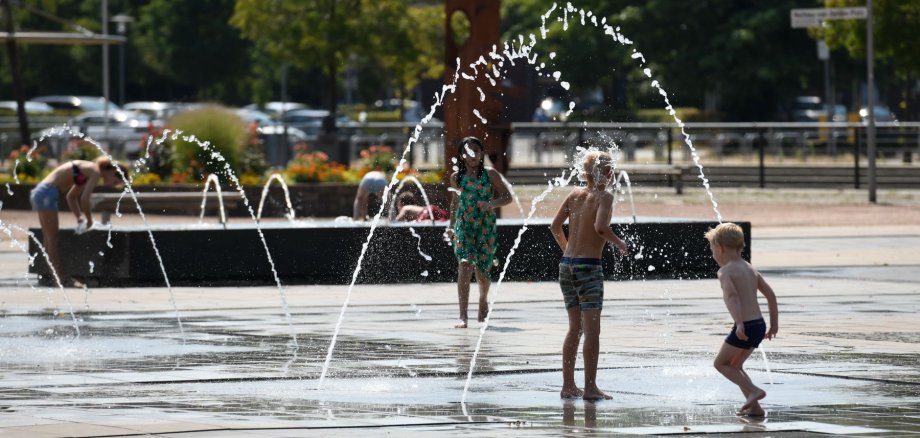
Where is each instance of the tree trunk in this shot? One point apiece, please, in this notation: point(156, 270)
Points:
point(14, 71)
point(332, 92)
point(332, 71)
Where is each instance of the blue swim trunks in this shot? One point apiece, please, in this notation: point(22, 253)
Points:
point(45, 197)
point(582, 283)
point(755, 330)
point(373, 183)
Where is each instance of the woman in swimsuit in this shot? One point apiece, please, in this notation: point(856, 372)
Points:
point(373, 183)
point(77, 179)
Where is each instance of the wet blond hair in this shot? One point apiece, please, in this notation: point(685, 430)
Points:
point(106, 163)
point(726, 234)
point(595, 163)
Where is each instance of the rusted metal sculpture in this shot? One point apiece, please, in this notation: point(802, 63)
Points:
point(459, 119)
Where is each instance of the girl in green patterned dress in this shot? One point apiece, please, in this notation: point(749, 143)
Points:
point(476, 193)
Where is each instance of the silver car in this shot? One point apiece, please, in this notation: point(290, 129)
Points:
point(122, 134)
point(31, 107)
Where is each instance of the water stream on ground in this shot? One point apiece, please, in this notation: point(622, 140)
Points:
point(287, 196)
point(392, 210)
point(213, 180)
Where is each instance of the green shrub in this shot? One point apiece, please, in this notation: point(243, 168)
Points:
point(28, 165)
point(84, 151)
point(224, 130)
point(158, 160)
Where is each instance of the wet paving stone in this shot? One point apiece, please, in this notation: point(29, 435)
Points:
point(845, 363)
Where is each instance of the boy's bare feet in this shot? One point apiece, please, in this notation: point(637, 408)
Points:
point(573, 392)
point(754, 411)
point(595, 394)
point(752, 398)
point(461, 324)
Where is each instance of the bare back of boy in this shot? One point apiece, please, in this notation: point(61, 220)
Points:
point(588, 211)
point(584, 206)
point(745, 279)
point(740, 276)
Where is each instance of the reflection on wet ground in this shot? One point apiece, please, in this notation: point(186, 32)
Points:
point(846, 360)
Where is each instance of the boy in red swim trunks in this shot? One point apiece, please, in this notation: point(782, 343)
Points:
point(740, 283)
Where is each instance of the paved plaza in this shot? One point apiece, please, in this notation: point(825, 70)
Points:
point(195, 362)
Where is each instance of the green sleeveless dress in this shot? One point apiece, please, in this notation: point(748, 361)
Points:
point(475, 228)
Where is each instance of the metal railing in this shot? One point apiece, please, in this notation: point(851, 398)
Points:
point(550, 144)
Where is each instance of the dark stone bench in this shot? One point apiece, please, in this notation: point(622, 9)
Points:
point(162, 202)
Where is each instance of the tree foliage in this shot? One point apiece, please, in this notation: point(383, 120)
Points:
point(897, 54)
point(740, 53)
point(330, 34)
point(896, 24)
point(212, 56)
point(739, 58)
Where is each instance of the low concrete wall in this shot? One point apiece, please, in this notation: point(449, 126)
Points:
point(327, 253)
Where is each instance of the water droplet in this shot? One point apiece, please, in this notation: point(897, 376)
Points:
point(651, 268)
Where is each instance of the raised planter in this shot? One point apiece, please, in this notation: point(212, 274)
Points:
point(308, 200)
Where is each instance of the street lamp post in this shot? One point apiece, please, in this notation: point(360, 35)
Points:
point(122, 21)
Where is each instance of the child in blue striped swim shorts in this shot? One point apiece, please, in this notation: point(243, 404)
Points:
point(588, 210)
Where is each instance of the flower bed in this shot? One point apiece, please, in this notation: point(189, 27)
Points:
point(318, 187)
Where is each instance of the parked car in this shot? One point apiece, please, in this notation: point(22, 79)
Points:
point(122, 135)
point(882, 114)
point(155, 110)
point(251, 115)
point(310, 121)
point(812, 109)
point(31, 106)
point(294, 135)
point(76, 103)
point(276, 108)
point(412, 109)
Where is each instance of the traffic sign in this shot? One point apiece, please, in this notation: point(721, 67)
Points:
point(812, 17)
